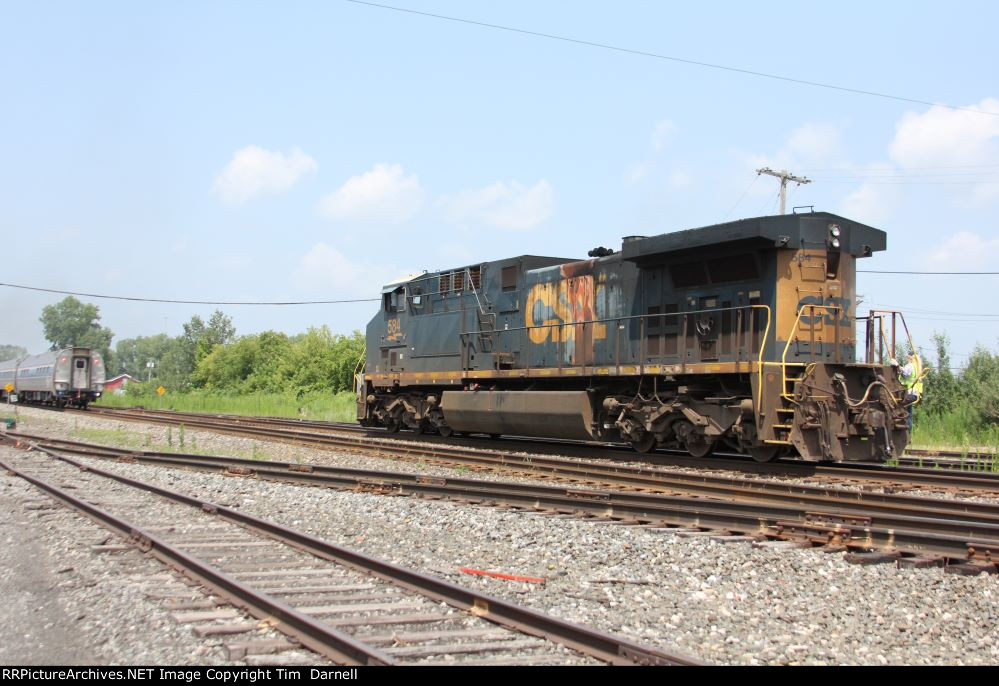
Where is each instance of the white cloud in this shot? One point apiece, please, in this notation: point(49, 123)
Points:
point(871, 203)
point(384, 194)
point(662, 133)
point(942, 137)
point(965, 250)
point(324, 268)
point(814, 142)
point(945, 137)
point(511, 206)
point(817, 144)
point(255, 171)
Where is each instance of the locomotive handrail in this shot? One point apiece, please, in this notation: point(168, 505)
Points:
point(791, 338)
point(475, 292)
point(618, 321)
point(759, 365)
point(869, 342)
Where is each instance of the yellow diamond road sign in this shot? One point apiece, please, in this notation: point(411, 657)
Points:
point(9, 387)
point(161, 390)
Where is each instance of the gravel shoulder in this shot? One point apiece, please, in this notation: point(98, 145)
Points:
point(725, 603)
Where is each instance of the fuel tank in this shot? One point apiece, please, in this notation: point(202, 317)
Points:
point(551, 414)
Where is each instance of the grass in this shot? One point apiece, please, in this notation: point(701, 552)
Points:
point(958, 430)
point(164, 442)
point(328, 407)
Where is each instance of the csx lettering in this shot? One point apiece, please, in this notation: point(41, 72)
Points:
point(549, 307)
point(832, 308)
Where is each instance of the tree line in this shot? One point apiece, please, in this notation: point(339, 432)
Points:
point(964, 405)
point(209, 355)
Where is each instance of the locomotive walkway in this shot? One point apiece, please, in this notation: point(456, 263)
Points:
point(348, 607)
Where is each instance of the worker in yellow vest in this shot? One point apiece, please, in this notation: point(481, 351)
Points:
point(912, 376)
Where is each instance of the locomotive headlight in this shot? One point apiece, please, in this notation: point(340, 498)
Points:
point(835, 243)
point(834, 230)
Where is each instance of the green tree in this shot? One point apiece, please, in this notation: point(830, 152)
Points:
point(219, 331)
point(73, 323)
point(192, 346)
point(941, 391)
point(980, 384)
point(10, 352)
point(132, 354)
point(252, 363)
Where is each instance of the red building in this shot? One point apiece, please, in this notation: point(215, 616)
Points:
point(118, 383)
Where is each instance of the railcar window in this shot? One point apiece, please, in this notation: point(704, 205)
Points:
point(688, 275)
point(509, 277)
point(418, 301)
point(733, 268)
point(80, 364)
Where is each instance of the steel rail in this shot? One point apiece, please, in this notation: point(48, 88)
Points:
point(322, 639)
point(588, 641)
point(863, 503)
point(952, 459)
point(953, 539)
point(897, 476)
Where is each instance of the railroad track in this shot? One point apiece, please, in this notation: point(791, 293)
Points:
point(604, 471)
point(872, 527)
point(346, 606)
point(966, 459)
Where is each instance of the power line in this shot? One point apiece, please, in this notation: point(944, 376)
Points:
point(874, 271)
point(924, 311)
point(186, 302)
point(955, 166)
point(902, 174)
point(732, 209)
point(910, 183)
point(696, 63)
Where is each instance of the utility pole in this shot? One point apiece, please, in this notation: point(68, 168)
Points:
point(784, 177)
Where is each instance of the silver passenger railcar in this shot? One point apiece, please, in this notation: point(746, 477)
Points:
point(73, 376)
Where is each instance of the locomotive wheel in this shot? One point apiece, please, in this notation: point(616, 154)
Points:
point(765, 453)
point(644, 444)
point(392, 426)
point(698, 446)
point(445, 430)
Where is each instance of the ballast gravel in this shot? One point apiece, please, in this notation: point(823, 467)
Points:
point(138, 435)
point(728, 603)
point(73, 595)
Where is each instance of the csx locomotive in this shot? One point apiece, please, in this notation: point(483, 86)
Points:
point(73, 376)
point(740, 337)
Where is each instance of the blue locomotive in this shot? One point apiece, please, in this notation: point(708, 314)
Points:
point(740, 337)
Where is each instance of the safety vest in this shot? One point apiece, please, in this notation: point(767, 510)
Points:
point(915, 382)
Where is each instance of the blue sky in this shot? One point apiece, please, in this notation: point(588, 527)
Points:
point(266, 151)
